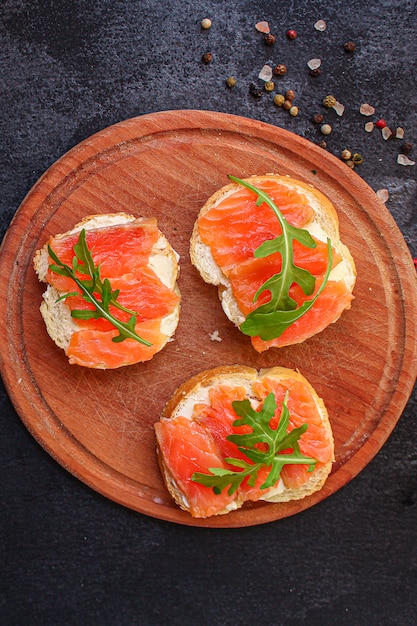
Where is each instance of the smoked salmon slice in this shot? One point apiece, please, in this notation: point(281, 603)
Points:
point(190, 448)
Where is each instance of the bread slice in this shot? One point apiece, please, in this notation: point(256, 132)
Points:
point(195, 392)
point(60, 325)
point(324, 225)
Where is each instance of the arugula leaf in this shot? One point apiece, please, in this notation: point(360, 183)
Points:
point(94, 290)
point(269, 456)
point(271, 319)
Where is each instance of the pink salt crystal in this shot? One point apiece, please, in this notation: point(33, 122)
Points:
point(263, 27)
point(339, 108)
point(320, 25)
point(265, 73)
point(402, 159)
point(383, 195)
point(399, 133)
point(386, 133)
point(314, 64)
point(369, 127)
point(367, 109)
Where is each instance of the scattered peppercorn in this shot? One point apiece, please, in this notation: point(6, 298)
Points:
point(289, 95)
point(254, 91)
point(326, 129)
point(206, 23)
point(357, 159)
point(407, 148)
point(293, 111)
point(322, 144)
point(231, 81)
point(279, 69)
point(350, 46)
point(279, 99)
point(350, 164)
point(316, 72)
point(329, 101)
point(269, 85)
point(269, 39)
point(287, 105)
point(291, 34)
point(207, 58)
point(346, 155)
point(317, 118)
point(381, 123)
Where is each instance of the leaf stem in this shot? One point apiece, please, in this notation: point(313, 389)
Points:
point(126, 330)
point(270, 320)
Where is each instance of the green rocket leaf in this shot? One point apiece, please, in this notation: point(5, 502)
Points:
point(94, 290)
point(271, 319)
point(274, 441)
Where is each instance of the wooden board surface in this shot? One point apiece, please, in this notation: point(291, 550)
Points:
point(99, 424)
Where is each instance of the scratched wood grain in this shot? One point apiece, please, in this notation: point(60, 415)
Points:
point(99, 424)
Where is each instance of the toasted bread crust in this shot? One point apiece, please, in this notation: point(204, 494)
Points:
point(192, 391)
point(325, 217)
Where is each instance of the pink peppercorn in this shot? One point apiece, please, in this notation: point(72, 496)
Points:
point(380, 123)
point(291, 34)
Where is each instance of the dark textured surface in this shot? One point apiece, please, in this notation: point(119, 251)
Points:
point(67, 555)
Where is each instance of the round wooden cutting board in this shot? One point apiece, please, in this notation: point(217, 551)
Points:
point(99, 424)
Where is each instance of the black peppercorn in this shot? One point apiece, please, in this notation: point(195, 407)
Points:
point(269, 39)
point(350, 46)
point(407, 148)
point(316, 72)
point(207, 58)
point(254, 91)
point(317, 118)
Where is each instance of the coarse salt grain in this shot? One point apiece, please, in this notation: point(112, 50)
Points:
point(367, 109)
point(339, 108)
point(214, 336)
point(386, 133)
point(265, 73)
point(320, 25)
point(369, 127)
point(314, 64)
point(263, 27)
point(399, 133)
point(383, 195)
point(402, 159)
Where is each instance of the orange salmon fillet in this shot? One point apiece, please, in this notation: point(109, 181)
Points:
point(188, 447)
point(331, 303)
point(315, 442)
point(117, 249)
point(236, 226)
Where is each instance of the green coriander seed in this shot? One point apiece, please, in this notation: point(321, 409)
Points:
point(279, 99)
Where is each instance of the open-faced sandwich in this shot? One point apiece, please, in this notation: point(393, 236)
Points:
point(112, 297)
point(231, 434)
point(271, 244)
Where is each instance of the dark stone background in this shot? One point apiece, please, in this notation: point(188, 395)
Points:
point(69, 556)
